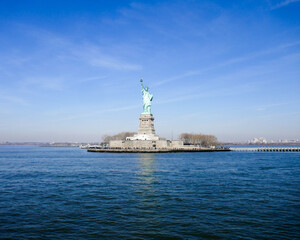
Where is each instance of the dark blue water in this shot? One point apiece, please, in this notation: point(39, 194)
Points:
point(68, 193)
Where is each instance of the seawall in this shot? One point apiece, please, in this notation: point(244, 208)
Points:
point(170, 150)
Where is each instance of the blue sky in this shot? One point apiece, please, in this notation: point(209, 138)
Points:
point(70, 70)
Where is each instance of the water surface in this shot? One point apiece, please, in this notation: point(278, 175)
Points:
point(68, 193)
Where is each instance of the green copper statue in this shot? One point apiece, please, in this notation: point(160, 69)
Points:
point(147, 98)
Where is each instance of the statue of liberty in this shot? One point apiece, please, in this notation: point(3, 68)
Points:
point(147, 98)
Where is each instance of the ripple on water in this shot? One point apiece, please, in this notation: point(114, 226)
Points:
point(72, 194)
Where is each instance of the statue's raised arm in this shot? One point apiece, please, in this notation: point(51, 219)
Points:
point(142, 83)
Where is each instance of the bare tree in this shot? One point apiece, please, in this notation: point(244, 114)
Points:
point(198, 139)
point(119, 136)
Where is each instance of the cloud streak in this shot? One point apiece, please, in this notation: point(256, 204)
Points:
point(112, 63)
point(265, 107)
point(13, 99)
point(92, 113)
point(229, 91)
point(45, 83)
point(63, 49)
point(229, 62)
point(90, 53)
point(283, 3)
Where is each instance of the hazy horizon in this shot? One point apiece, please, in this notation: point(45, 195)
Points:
point(70, 71)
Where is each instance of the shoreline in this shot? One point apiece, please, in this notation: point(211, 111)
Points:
point(155, 150)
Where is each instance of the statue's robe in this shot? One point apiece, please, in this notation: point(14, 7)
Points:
point(147, 98)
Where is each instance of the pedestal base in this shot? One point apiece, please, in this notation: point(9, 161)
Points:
point(146, 129)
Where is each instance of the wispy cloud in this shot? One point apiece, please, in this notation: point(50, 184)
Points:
point(220, 92)
point(90, 114)
point(228, 62)
point(46, 83)
point(91, 54)
point(283, 3)
point(64, 49)
point(13, 99)
point(267, 106)
point(111, 63)
point(94, 55)
point(91, 79)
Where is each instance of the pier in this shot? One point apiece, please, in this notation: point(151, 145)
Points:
point(266, 149)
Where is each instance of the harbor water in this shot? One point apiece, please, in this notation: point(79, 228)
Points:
point(69, 193)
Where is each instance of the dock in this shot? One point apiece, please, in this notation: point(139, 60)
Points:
point(266, 149)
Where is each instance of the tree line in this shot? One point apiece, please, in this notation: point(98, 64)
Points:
point(187, 138)
point(198, 139)
point(119, 136)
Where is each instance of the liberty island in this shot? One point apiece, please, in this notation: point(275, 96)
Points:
point(146, 139)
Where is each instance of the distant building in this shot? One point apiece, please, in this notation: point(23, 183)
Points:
point(260, 140)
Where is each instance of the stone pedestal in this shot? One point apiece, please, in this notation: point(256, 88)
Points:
point(146, 124)
point(146, 129)
point(145, 138)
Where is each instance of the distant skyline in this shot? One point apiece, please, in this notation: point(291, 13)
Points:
point(70, 70)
